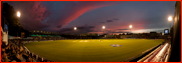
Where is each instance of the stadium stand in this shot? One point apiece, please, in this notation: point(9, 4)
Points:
point(14, 51)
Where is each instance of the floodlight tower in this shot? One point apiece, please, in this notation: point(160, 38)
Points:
point(18, 15)
point(103, 27)
point(75, 28)
point(170, 18)
point(130, 27)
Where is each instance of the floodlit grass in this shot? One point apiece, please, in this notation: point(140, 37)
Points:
point(91, 50)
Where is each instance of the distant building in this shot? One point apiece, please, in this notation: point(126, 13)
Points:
point(153, 32)
point(175, 55)
point(44, 33)
point(166, 31)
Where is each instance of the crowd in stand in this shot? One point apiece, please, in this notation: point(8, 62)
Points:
point(14, 52)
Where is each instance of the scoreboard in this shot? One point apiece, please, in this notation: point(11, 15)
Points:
point(166, 31)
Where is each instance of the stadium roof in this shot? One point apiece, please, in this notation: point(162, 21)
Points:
point(44, 32)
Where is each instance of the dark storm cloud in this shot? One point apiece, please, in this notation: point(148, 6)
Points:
point(109, 21)
point(123, 29)
point(59, 26)
point(156, 21)
point(116, 31)
point(80, 29)
point(120, 32)
point(115, 19)
point(101, 22)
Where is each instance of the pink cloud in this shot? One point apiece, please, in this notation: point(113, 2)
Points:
point(79, 9)
point(36, 16)
point(137, 25)
point(33, 14)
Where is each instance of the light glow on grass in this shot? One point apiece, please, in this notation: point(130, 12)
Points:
point(91, 50)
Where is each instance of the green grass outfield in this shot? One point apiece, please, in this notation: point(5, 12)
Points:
point(91, 50)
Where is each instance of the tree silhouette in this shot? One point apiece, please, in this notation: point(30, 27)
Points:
point(14, 26)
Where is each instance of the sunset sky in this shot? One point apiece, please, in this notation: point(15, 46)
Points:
point(89, 17)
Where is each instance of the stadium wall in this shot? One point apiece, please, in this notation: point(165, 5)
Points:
point(4, 36)
point(33, 54)
point(175, 55)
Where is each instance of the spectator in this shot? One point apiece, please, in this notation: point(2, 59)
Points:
point(14, 52)
point(17, 58)
point(7, 50)
point(25, 55)
point(29, 59)
point(3, 44)
point(5, 57)
point(20, 57)
point(34, 60)
point(2, 49)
